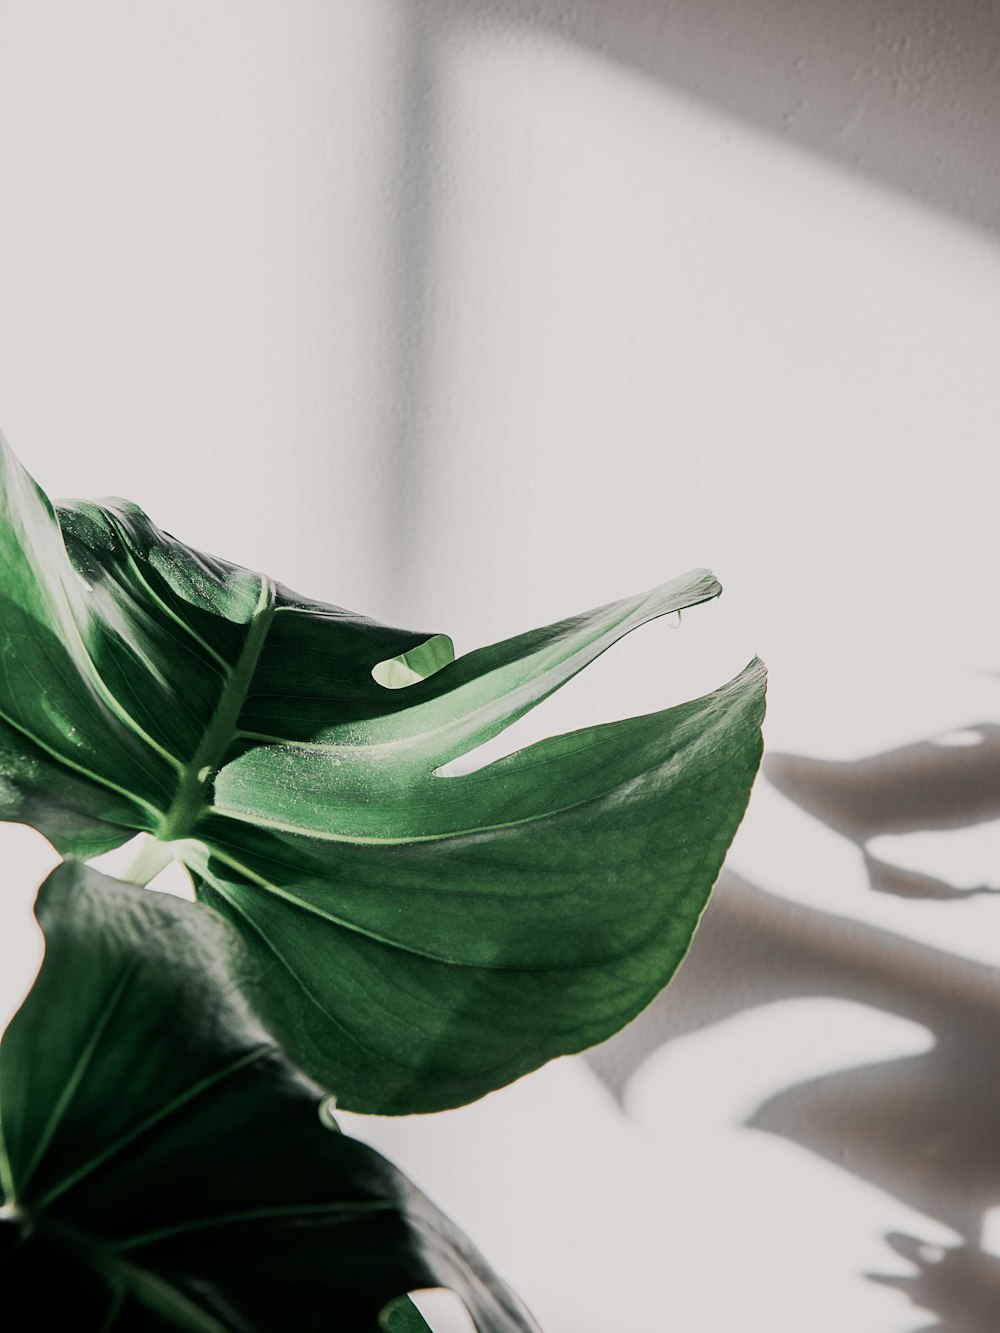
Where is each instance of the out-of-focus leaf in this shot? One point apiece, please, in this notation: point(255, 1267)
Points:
point(402, 1316)
point(164, 1166)
point(429, 938)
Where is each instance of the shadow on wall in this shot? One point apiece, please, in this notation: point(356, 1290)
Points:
point(924, 1127)
point(905, 93)
point(918, 788)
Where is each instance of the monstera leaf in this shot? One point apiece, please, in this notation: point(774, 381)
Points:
point(164, 1166)
point(428, 937)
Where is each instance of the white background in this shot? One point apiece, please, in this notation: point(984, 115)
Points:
point(472, 315)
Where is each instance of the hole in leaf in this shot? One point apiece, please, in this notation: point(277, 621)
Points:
point(444, 1311)
point(990, 1234)
point(960, 739)
point(395, 673)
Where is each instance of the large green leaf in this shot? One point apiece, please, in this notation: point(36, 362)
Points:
point(428, 938)
point(163, 1165)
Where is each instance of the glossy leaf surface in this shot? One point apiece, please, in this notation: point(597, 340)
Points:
point(428, 938)
point(164, 1166)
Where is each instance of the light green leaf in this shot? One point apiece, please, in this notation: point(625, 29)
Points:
point(427, 938)
point(165, 1167)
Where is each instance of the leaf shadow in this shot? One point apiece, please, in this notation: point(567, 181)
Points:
point(928, 786)
point(922, 1128)
point(962, 1284)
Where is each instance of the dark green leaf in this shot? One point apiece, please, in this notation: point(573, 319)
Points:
point(429, 938)
point(163, 1164)
point(402, 1316)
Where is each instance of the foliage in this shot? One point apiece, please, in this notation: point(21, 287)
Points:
point(128, 1158)
point(408, 939)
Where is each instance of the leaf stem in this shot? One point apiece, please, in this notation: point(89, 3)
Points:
point(198, 775)
point(149, 857)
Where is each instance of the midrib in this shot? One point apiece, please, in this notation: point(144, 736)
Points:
point(189, 801)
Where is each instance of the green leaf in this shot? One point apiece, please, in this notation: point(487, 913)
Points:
point(402, 1316)
point(165, 1166)
point(428, 937)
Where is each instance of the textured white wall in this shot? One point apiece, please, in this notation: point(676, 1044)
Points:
point(470, 315)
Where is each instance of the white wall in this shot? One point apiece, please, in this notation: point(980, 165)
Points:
point(471, 315)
